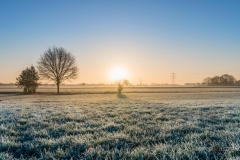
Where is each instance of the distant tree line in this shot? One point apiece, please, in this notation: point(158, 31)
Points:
point(224, 80)
point(6, 84)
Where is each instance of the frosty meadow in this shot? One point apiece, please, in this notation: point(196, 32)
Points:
point(179, 125)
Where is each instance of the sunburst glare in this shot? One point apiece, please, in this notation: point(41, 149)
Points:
point(118, 73)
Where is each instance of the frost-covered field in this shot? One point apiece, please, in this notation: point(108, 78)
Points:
point(129, 126)
point(67, 89)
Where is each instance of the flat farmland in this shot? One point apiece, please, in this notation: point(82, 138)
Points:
point(113, 89)
point(158, 123)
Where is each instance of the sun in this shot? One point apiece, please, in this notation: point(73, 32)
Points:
point(118, 73)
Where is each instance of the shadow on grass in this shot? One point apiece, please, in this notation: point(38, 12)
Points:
point(120, 95)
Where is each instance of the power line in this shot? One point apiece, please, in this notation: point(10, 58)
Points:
point(173, 77)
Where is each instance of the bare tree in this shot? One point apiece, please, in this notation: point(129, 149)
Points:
point(58, 65)
point(207, 81)
point(226, 79)
point(121, 83)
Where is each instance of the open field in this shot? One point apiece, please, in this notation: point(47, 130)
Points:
point(170, 125)
point(113, 89)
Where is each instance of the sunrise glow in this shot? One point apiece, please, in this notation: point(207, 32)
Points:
point(118, 73)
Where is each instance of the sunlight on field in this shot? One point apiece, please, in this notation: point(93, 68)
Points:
point(129, 126)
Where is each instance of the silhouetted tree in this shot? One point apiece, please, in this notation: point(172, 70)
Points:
point(215, 80)
point(28, 80)
point(58, 65)
point(121, 83)
point(225, 79)
point(237, 83)
point(207, 81)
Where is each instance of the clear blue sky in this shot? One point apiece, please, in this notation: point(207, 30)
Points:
point(149, 39)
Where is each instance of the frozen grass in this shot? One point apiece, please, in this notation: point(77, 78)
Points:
point(52, 90)
point(130, 126)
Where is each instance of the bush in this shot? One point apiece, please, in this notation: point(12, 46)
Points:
point(28, 80)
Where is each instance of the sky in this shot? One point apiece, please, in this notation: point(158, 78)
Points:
point(148, 39)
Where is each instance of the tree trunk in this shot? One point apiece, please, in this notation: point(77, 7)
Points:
point(58, 84)
point(120, 88)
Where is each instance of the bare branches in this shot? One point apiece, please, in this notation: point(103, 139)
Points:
point(58, 65)
point(121, 83)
